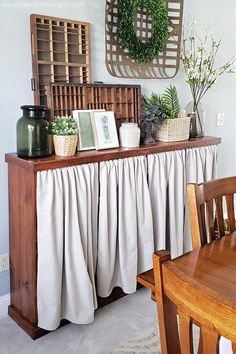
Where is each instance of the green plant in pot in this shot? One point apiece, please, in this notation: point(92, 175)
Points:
point(174, 126)
point(65, 135)
point(150, 120)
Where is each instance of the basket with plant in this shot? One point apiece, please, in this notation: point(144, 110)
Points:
point(173, 125)
point(65, 135)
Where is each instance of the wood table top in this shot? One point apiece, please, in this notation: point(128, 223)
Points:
point(211, 268)
point(206, 279)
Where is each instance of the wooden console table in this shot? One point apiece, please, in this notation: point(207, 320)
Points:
point(22, 176)
point(91, 156)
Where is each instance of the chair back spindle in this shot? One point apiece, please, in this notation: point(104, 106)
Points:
point(212, 209)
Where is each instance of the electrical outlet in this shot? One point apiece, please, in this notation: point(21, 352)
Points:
point(4, 262)
point(220, 121)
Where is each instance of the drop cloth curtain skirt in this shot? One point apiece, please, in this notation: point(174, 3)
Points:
point(67, 206)
point(125, 229)
point(110, 236)
point(201, 166)
point(168, 174)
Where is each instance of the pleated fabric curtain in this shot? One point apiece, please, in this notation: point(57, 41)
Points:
point(102, 228)
point(67, 210)
point(201, 166)
point(125, 236)
point(166, 176)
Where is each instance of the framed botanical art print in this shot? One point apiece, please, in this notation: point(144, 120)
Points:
point(86, 138)
point(104, 129)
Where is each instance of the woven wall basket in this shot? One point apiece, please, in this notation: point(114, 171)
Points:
point(65, 145)
point(166, 65)
point(177, 129)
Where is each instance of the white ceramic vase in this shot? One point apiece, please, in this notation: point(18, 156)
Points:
point(129, 135)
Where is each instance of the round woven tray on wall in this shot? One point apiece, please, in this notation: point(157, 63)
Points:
point(65, 145)
point(176, 129)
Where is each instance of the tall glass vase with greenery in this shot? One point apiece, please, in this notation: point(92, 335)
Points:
point(199, 60)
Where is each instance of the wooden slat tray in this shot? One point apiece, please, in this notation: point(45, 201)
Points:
point(60, 53)
point(123, 100)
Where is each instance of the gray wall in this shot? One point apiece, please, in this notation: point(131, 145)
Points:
point(15, 73)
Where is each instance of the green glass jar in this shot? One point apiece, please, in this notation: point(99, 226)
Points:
point(32, 132)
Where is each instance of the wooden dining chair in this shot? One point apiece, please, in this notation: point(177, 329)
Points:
point(175, 296)
point(207, 218)
point(211, 209)
point(212, 215)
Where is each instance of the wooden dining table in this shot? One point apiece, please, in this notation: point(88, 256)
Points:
point(206, 279)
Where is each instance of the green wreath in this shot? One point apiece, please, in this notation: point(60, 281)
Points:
point(137, 50)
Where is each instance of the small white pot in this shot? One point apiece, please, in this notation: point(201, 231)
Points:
point(129, 135)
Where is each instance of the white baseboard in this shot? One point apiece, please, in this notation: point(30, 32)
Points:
point(4, 302)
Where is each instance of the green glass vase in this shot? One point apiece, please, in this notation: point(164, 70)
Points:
point(32, 132)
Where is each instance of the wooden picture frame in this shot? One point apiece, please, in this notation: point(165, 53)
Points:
point(105, 131)
point(86, 137)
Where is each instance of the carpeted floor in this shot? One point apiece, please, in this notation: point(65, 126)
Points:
point(148, 343)
point(114, 324)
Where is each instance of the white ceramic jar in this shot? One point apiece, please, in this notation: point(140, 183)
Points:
point(129, 135)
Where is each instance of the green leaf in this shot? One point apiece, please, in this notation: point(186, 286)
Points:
point(64, 125)
point(126, 34)
point(171, 102)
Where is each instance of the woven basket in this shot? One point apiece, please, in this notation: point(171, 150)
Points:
point(65, 145)
point(176, 129)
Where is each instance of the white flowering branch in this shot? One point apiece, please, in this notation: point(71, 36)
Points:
point(199, 57)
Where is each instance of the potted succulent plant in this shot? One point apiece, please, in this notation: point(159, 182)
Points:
point(174, 125)
point(150, 120)
point(65, 135)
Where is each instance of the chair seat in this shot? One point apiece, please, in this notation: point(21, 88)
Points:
point(147, 279)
